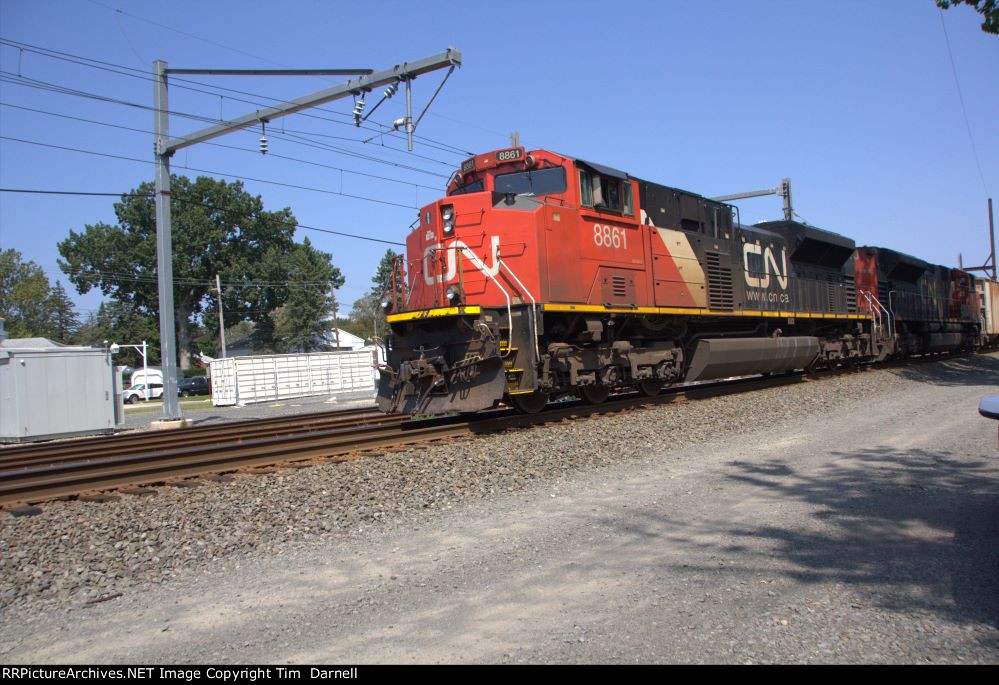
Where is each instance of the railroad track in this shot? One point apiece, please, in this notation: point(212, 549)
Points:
point(96, 447)
point(37, 473)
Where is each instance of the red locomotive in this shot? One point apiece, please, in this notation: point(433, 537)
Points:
point(541, 275)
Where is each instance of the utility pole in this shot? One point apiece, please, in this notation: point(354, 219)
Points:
point(336, 324)
point(165, 147)
point(218, 289)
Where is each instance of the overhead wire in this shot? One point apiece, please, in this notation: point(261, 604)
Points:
point(125, 70)
point(211, 171)
point(220, 145)
point(964, 110)
point(294, 224)
point(8, 77)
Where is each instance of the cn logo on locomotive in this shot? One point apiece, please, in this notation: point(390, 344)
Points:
point(452, 260)
point(769, 261)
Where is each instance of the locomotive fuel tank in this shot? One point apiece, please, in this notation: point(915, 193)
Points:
point(726, 357)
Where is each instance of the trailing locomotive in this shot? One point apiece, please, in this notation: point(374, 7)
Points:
point(539, 276)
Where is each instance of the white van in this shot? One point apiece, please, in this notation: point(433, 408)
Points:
point(146, 376)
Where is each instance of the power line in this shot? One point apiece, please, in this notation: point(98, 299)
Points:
point(8, 77)
point(209, 171)
point(189, 35)
point(263, 59)
point(964, 110)
point(140, 74)
point(221, 145)
point(150, 277)
point(195, 202)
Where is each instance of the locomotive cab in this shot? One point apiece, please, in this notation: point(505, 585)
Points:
point(470, 308)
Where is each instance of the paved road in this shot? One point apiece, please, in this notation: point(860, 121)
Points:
point(848, 537)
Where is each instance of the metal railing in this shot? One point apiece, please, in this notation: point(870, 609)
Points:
point(877, 310)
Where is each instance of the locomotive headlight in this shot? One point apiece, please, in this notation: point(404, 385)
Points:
point(453, 294)
point(447, 219)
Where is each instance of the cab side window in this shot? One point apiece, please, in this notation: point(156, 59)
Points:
point(585, 188)
point(604, 192)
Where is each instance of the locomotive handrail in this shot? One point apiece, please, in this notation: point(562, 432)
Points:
point(872, 300)
point(534, 309)
point(509, 308)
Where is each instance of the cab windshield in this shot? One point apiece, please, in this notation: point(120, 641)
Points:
point(473, 187)
point(534, 182)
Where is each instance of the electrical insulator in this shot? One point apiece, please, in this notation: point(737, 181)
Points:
point(263, 139)
point(358, 110)
point(391, 90)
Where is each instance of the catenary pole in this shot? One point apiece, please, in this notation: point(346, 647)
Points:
point(164, 246)
point(165, 147)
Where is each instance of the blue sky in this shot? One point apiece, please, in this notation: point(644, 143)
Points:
point(855, 101)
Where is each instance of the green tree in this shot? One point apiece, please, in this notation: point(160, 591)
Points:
point(63, 320)
point(304, 323)
point(360, 329)
point(367, 316)
point(120, 322)
point(383, 281)
point(989, 9)
point(24, 297)
point(218, 228)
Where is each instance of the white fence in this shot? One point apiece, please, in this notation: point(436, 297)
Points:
point(266, 378)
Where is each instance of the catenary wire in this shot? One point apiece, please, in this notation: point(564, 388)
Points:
point(964, 110)
point(203, 204)
point(8, 77)
point(124, 70)
point(221, 145)
point(210, 171)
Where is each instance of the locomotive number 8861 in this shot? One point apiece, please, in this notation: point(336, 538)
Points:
point(540, 275)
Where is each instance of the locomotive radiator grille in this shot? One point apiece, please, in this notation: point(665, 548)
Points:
point(719, 281)
point(851, 294)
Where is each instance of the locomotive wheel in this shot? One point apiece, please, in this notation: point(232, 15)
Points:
point(649, 387)
point(530, 403)
point(594, 394)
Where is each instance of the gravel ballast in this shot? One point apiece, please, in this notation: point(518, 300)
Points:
point(78, 553)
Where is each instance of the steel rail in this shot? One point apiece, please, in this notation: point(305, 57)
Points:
point(32, 484)
point(134, 440)
point(45, 482)
point(163, 442)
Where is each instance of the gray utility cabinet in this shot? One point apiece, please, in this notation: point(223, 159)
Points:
point(48, 390)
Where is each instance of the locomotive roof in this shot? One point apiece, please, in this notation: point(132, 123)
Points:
point(900, 266)
point(811, 245)
point(623, 175)
point(901, 257)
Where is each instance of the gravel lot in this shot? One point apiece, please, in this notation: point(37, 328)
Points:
point(724, 530)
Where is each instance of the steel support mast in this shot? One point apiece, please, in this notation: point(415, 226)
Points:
point(165, 147)
point(990, 263)
point(784, 190)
